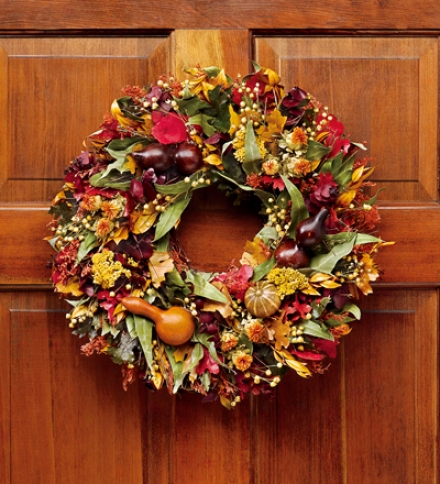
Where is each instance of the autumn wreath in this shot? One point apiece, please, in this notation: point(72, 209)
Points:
point(285, 304)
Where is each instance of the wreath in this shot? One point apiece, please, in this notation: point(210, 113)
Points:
point(285, 304)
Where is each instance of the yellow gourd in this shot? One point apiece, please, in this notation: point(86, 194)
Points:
point(174, 326)
point(262, 299)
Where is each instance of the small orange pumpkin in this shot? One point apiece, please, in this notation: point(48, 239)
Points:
point(262, 299)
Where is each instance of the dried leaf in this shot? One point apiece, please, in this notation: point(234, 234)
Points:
point(224, 308)
point(72, 287)
point(280, 332)
point(159, 264)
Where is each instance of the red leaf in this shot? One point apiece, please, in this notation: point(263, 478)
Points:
point(207, 363)
point(168, 129)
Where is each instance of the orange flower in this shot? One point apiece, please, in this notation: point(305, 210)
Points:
point(254, 331)
point(241, 360)
point(104, 227)
point(297, 139)
point(111, 209)
point(228, 341)
point(91, 202)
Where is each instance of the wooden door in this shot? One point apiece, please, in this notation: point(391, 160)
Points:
point(373, 417)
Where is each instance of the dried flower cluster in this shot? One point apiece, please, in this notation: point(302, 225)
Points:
point(114, 233)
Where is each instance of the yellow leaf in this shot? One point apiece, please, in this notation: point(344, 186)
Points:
point(235, 120)
point(159, 264)
point(130, 164)
point(121, 233)
point(117, 114)
point(330, 284)
point(157, 379)
point(72, 287)
point(310, 291)
point(356, 175)
point(346, 198)
point(273, 76)
point(143, 221)
point(79, 311)
point(280, 332)
point(301, 369)
point(213, 159)
point(59, 196)
point(319, 277)
point(276, 119)
point(225, 402)
point(182, 351)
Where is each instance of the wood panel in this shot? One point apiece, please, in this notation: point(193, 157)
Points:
point(230, 14)
point(373, 417)
point(391, 379)
point(45, 125)
point(70, 420)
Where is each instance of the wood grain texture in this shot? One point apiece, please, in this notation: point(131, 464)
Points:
point(383, 89)
point(70, 419)
point(391, 396)
point(229, 14)
point(48, 122)
point(373, 417)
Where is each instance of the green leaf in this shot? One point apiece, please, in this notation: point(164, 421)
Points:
point(144, 331)
point(316, 150)
point(118, 148)
point(326, 262)
point(202, 120)
point(352, 309)
point(372, 201)
point(212, 71)
point(176, 366)
point(191, 106)
point(181, 186)
point(163, 243)
point(90, 242)
point(299, 210)
point(209, 345)
point(196, 356)
point(318, 308)
point(113, 179)
point(129, 322)
point(246, 342)
point(262, 269)
point(314, 329)
point(169, 218)
point(366, 239)
point(252, 156)
point(233, 168)
point(256, 66)
point(203, 288)
point(267, 234)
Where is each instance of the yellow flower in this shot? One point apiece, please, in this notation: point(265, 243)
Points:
point(287, 280)
point(105, 271)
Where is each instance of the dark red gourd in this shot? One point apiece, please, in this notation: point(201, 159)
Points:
point(288, 254)
point(188, 158)
point(156, 155)
point(311, 231)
